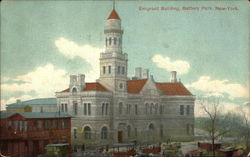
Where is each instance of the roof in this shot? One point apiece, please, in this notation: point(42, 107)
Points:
point(135, 86)
point(94, 86)
point(40, 101)
point(176, 88)
point(114, 15)
point(6, 114)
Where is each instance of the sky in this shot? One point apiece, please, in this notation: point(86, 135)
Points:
point(206, 42)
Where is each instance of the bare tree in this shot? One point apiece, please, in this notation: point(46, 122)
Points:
point(211, 107)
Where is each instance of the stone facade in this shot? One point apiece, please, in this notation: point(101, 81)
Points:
point(116, 109)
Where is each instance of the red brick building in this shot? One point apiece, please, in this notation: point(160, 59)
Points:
point(25, 134)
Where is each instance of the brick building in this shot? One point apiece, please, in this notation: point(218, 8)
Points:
point(25, 134)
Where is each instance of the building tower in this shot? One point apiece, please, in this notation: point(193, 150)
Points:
point(113, 62)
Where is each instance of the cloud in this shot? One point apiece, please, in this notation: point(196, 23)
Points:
point(88, 53)
point(219, 88)
point(44, 81)
point(181, 66)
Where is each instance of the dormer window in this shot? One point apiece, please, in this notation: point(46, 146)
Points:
point(74, 90)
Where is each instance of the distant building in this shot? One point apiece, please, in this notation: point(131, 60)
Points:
point(116, 109)
point(25, 134)
point(34, 105)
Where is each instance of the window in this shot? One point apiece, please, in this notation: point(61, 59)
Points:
point(46, 124)
point(181, 110)
point(151, 127)
point(106, 41)
point(129, 130)
point(66, 107)
point(115, 39)
point(156, 108)
point(85, 109)
point(110, 41)
point(135, 132)
point(106, 109)
point(21, 125)
point(161, 130)
point(136, 109)
point(103, 107)
point(103, 69)
point(187, 129)
point(188, 110)
point(74, 90)
point(151, 108)
point(15, 124)
point(120, 108)
point(41, 109)
point(104, 133)
point(36, 123)
point(123, 70)
point(55, 124)
point(161, 109)
point(109, 69)
point(55, 140)
point(64, 124)
point(89, 109)
point(146, 108)
point(75, 134)
point(62, 107)
point(118, 69)
point(9, 124)
point(120, 85)
point(25, 125)
point(64, 139)
point(75, 108)
point(129, 108)
point(87, 133)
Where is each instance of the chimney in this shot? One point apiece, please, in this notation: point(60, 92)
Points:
point(173, 78)
point(138, 72)
point(73, 80)
point(145, 73)
point(81, 81)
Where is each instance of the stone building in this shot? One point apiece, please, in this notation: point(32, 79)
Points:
point(117, 109)
point(34, 105)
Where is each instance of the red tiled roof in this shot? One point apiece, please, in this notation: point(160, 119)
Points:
point(114, 15)
point(95, 86)
point(173, 88)
point(135, 86)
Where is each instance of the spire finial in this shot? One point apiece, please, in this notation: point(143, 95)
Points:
point(113, 4)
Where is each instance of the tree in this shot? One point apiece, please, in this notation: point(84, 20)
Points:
point(245, 131)
point(211, 107)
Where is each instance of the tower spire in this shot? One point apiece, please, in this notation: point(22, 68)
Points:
point(113, 4)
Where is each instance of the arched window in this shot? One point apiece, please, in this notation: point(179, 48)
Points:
point(120, 108)
point(129, 130)
point(146, 108)
point(74, 90)
point(104, 133)
point(87, 133)
point(161, 109)
point(115, 39)
point(151, 127)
